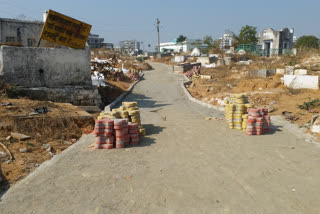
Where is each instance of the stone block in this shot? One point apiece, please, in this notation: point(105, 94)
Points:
point(220, 62)
point(289, 70)
point(205, 77)
point(280, 71)
point(262, 73)
point(206, 60)
point(179, 59)
point(184, 67)
point(301, 82)
point(227, 60)
point(300, 72)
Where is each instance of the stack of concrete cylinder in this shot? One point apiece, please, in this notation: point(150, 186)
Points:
point(117, 133)
point(121, 133)
point(134, 134)
point(104, 133)
point(258, 121)
point(236, 110)
point(129, 111)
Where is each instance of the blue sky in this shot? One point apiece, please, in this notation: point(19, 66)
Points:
point(135, 19)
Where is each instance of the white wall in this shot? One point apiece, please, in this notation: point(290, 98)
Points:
point(28, 30)
point(45, 67)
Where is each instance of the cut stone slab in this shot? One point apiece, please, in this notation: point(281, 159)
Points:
point(179, 59)
point(19, 136)
point(301, 82)
point(300, 72)
point(289, 70)
point(315, 121)
point(262, 73)
point(23, 150)
point(280, 71)
point(205, 77)
point(206, 60)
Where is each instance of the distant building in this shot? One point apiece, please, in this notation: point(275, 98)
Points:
point(227, 41)
point(107, 45)
point(25, 33)
point(294, 40)
point(94, 41)
point(130, 47)
point(185, 46)
point(275, 43)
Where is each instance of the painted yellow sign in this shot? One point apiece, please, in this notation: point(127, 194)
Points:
point(65, 30)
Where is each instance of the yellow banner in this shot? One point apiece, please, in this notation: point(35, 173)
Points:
point(65, 30)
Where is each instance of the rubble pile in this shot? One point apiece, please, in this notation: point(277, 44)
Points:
point(236, 111)
point(109, 69)
point(258, 122)
point(194, 73)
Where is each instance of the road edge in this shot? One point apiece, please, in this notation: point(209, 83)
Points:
point(123, 95)
point(277, 120)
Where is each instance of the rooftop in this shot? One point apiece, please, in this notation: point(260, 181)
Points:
point(20, 21)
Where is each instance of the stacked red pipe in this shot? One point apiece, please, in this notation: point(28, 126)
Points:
point(116, 133)
point(104, 134)
point(259, 121)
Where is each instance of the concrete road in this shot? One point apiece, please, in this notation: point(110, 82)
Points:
point(185, 165)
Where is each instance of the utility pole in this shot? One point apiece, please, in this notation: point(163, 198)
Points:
point(158, 23)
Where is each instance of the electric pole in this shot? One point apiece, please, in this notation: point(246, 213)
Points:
point(158, 22)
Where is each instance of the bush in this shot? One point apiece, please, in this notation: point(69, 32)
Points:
point(308, 42)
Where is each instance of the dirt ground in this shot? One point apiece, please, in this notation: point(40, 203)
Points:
point(262, 92)
point(62, 126)
point(185, 164)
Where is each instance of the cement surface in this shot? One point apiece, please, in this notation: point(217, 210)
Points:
point(185, 165)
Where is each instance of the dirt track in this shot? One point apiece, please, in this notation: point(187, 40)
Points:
point(185, 165)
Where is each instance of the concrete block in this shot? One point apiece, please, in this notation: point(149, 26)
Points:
point(227, 60)
point(208, 77)
point(206, 60)
point(300, 72)
point(220, 62)
point(289, 70)
point(184, 67)
point(301, 82)
point(262, 73)
point(280, 71)
point(315, 122)
point(179, 59)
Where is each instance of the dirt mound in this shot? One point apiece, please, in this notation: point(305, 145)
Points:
point(60, 128)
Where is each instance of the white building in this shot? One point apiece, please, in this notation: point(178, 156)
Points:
point(186, 46)
point(276, 42)
point(130, 46)
point(226, 41)
point(25, 33)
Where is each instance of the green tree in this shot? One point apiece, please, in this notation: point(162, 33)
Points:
point(247, 35)
point(181, 39)
point(208, 40)
point(308, 42)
